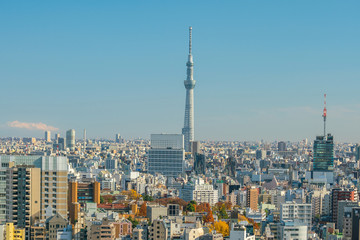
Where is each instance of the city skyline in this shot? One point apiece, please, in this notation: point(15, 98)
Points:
point(258, 80)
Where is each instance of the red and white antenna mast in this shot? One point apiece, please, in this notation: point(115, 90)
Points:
point(324, 115)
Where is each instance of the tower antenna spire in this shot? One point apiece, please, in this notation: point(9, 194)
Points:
point(190, 39)
point(324, 115)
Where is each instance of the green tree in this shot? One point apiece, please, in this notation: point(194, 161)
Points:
point(102, 200)
point(193, 202)
point(134, 222)
point(222, 213)
point(190, 207)
point(148, 198)
point(267, 211)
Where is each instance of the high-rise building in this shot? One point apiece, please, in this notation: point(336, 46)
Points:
point(47, 136)
point(189, 83)
point(281, 146)
point(199, 163)
point(343, 207)
point(357, 152)
point(57, 136)
point(166, 155)
point(53, 184)
point(118, 138)
point(323, 154)
point(341, 194)
point(355, 223)
point(23, 196)
point(296, 212)
point(195, 147)
point(252, 198)
point(70, 139)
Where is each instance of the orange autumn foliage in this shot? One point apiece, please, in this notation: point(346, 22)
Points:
point(209, 218)
point(143, 210)
point(203, 207)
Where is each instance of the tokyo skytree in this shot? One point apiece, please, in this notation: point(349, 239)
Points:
point(188, 130)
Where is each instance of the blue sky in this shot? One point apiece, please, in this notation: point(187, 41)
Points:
point(261, 68)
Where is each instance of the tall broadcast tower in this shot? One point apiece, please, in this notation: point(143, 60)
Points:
point(324, 115)
point(189, 83)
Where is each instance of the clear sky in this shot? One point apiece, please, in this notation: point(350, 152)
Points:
point(261, 68)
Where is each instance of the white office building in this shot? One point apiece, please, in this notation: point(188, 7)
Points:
point(167, 155)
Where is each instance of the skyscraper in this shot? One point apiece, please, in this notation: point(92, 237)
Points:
point(47, 136)
point(188, 130)
point(70, 139)
point(57, 136)
point(118, 138)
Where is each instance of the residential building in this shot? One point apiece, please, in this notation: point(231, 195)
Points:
point(13, 233)
point(23, 196)
point(341, 194)
point(252, 198)
point(296, 212)
point(101, 230)
point(54, 172)
point(199, 191)
point(343, 206)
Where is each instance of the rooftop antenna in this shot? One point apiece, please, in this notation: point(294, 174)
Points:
point(324, 115)
point(190, 30)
